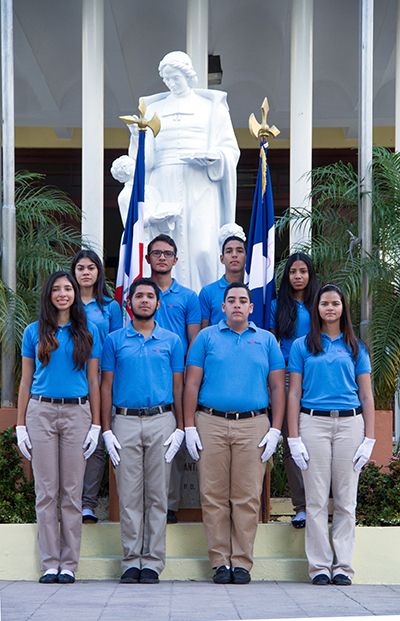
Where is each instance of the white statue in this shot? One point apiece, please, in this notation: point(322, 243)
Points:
point(190, 170)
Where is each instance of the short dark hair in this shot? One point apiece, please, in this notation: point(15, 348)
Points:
point(162, 238)
point(234, 238)
point(143, 281)
point(237, 285)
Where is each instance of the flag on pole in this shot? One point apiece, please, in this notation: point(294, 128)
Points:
point(260, 262)
point(130, 264)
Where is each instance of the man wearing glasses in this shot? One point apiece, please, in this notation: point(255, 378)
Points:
point(180, 313)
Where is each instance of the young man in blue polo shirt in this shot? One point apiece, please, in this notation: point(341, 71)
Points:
point(225, 407)
point(211, 296)
point(142, 375)
point(179, 312)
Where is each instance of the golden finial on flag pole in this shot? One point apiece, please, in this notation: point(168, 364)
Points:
point(142, 122)
point(263, 130)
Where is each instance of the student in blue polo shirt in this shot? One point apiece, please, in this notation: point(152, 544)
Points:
point(233, 257)
point(180, 313)
point(225, 406)
point(142, 376)
point(105, 313)
point(60, 364)
point(290, 319)
point(331, 425)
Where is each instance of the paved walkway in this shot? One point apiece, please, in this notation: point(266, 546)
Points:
point(191, 601)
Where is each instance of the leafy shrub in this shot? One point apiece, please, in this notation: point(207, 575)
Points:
point(17, 494)
point(378, 501)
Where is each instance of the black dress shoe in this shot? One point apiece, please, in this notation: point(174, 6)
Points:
point(65, 579)
point(149, 576)
point(130, 576)
point(321, 579)
point(240, 575)
point(341, 580)
point(171, 517)
point(223, 575)
point(48, 579)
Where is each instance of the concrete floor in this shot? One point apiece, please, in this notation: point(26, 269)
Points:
point(192, 601)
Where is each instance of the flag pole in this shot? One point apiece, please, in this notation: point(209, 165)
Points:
point(130, 263)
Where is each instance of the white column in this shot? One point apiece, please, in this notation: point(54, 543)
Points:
point(93, 122)
point(301, 76)
point(8, 237)
point(397, 80)
point(197, 38)
point(365, 120)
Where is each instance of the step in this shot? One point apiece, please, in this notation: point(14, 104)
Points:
point(278, 553)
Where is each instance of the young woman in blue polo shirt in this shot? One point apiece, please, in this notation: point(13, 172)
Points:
point(290, 319)
point(105, 313)
point(60, 360)
point(331, 424)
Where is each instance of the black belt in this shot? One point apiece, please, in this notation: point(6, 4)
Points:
point(231, 415)
point(157, 409)
point(74, 400)
point(333, 413)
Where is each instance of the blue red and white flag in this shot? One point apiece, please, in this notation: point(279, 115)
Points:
point(130, 264)
point(260, 264)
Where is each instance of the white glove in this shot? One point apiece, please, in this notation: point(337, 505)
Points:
point(23, 441)
point(363, 453)
point(175, 441)
point(270, 441)
point(112, 444)
point(91, 439)
point(193, 442)
point(299, 452)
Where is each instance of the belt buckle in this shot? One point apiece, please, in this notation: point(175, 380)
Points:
point(141, 412)
point(231, 412)
point(335, 413)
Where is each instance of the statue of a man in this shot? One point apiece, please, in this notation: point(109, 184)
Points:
point(191, 168)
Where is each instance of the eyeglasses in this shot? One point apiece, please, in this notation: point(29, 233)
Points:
point(168, 254)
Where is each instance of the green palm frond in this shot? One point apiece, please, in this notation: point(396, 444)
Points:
point(334, 214)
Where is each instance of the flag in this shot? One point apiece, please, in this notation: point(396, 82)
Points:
point(130, 264)
point(260, 261)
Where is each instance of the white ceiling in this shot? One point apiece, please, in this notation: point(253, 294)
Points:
point(251, 36)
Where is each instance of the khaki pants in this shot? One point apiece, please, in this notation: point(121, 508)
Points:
point(57, 433)
point(142, 483)
point(231, 475)
point(93, 476)
point(331, 444)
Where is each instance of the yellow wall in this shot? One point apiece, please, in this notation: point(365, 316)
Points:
point(323, 138)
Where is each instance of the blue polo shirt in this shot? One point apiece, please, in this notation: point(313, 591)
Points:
point(329, 379)
point(179, 308)
point(211, 298)
point(302, 326)
point(142, 367)
point(60, 378)
point(106, 318)
point(236, 366)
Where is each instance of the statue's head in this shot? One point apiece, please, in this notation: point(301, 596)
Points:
point(175, 69)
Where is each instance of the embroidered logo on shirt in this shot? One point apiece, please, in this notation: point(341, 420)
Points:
point(157, 350)
point(252, 342)
point(170, 306)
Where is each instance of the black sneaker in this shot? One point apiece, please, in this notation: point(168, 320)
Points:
point(341, 579)
point(171, 517)
point(149, 576)
point(223, 575)
point(240, 575)
point(321, 579)
point(130, 576)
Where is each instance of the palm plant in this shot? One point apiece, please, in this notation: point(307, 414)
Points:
point(45, 243)
point(334, 223)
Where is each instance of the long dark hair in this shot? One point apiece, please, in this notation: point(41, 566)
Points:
point(286, 310)
point(314, 343)
point(100, 288)
point(81, 337)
